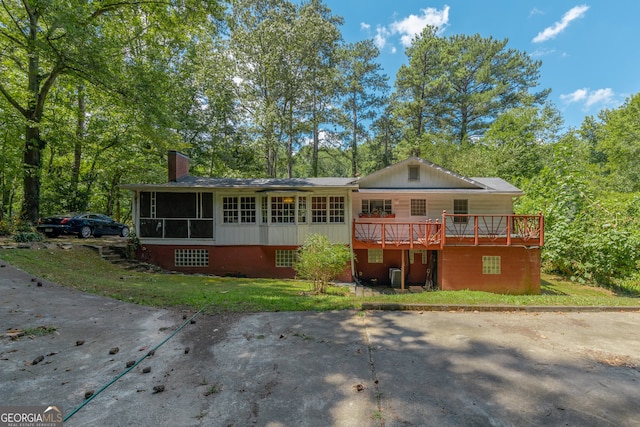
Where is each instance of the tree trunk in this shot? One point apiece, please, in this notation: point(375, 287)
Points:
point(32, 168)
point(316, 138)
point(354, 140)
point(77, 152)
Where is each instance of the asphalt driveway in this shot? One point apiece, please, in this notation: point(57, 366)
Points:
point(313, 369)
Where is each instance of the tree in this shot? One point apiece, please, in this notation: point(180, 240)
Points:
point(361, 91)
point(460, 84)
point(321, 261)
point(95, 41)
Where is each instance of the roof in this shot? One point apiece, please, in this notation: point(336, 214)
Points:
point(367, 184)
point(249, 183)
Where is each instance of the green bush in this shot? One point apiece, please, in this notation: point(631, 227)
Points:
point(321, 261)
point(28, 236)
point(5, 228)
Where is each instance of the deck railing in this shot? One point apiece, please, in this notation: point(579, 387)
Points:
point(453, 230)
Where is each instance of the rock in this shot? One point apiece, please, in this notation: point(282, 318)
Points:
point(37, 360)
point(146, 370)
point(130, 363)
point(158, 389)
point(114, 350)
point(193, 321)
point(151, 353)
point(79, 343)
point(39, 283)
point(88, 394)
point(186, 350)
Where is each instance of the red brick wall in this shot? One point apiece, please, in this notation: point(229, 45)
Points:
point(244, 261)
point(461, 268)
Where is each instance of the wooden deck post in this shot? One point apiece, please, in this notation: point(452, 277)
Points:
point(402, 271)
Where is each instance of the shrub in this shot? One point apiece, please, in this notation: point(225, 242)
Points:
point(321, 261)
point(25, 232)
point(5, 228)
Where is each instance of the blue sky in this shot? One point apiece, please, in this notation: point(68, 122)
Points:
point(589, 50)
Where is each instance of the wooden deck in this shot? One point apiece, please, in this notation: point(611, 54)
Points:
point(452, 230)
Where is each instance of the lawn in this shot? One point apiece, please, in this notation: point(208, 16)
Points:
point(83, 269)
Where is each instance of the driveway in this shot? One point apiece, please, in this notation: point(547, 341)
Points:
point(313, 369)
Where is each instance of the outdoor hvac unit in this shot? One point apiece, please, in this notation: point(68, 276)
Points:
point(395, 275)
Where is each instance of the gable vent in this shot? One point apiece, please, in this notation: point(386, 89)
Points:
point(414, 173)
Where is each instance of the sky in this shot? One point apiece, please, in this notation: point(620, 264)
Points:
point(590, 51)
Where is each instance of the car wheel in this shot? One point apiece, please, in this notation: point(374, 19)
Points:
point(85, 232)
point(124, 232)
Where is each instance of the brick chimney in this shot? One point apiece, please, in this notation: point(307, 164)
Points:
point(178, 165)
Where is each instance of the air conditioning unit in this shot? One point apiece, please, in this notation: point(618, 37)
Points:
point(395, 276)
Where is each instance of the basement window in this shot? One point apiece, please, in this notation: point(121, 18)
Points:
point(285, 258)
point(374, 256)
point(191, 258)
point(490, 265)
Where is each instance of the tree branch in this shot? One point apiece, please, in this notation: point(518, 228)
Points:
point(15, 21)
point(12, 101)
point(44, 90)
point(113, 6)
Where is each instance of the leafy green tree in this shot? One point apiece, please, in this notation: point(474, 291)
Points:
point(41, 42)
point(619, 141)
point(321, 261)
point(458, 85)
point(362, 91)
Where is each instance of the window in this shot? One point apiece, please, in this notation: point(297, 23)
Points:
point(283, 209)
point(230, 210)
point(414, 173)
point(285, 258)
point(376, 206)
point(318, 209)
point(418, 207)
point(374, 256)
point(460, 207)
point(327, 209)
point(239, 209)
point(490, 265)
point(264, 209)
point(176, 215)
point(191, 258)
point(302, 210)
point(336, 209)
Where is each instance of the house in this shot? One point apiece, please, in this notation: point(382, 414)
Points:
point(410, 223)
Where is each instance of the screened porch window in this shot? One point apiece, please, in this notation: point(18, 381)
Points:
point(176, 215)
point(376, 206)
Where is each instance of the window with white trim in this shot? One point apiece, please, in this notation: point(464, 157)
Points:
point(302, 210)
point(374, 256)
point(318, 209)
point(283, 209)
point(327, 209)
point(376, 206)
point(336, 209)
point(285, 257)
point(418, 207)
point(460, 207)
point(239, 209)
point(490, 265)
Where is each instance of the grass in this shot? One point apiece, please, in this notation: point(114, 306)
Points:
point(83, 269)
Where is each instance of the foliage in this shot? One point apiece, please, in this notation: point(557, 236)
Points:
point(5, 227)
point(321, 261)
point(458, 85)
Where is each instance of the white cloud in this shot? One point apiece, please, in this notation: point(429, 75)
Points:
point(408, 27)
point(381, 36)
point(412, 25)
point(576, 96)
point(588, 97)
point(541, 52)
point(600, 96)
point(558, 27)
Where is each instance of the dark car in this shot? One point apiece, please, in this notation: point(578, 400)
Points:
point(84, 225)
